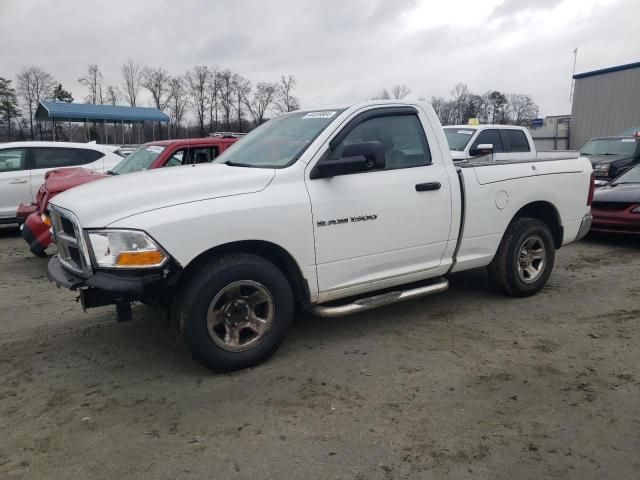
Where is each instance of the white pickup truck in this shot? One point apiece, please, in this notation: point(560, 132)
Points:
point(334, 211)
point(503, 142)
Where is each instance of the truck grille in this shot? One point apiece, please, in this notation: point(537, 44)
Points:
point(72, 250)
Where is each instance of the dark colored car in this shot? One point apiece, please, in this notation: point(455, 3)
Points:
point(616, 207)
point(166, 153)
point(612, 156)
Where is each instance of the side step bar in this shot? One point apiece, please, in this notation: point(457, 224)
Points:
point(375, 301)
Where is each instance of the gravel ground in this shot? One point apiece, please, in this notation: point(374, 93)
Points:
point(467, 384)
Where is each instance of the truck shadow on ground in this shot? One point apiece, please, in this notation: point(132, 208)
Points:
point(8, 231)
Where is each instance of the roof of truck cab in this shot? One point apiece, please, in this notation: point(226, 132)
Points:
point(485, 126)
point(194, 141)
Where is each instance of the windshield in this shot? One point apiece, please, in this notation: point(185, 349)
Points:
point(609, 146)
point(280, 141)
point(632, 176)
point(141, 159)
point(458, 138)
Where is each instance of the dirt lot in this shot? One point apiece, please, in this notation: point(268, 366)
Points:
point(468, 384)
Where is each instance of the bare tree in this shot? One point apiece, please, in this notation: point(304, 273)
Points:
point(383, 94)
point(521, 108)
point(177, 101)
point(197, 80)
point(33, 85)
point(225, 85)
point(93, 82)
point(112, 95)
point(131, 75)
point(241, 88)
point(213, 96)
point(285, 101)
point(156, 80)
point(259, 102)
point(400, 91)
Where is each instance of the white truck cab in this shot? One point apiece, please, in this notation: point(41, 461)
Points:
point(508, 142)
point(334, 211)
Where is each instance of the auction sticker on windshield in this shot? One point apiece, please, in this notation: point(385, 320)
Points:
point(466, 132)
point(325, 114)
point(155, 149)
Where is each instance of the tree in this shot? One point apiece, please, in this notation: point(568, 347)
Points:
point(497, 101)
point(197, 80)
point(382, 95)
point(213, 94)
point(62, 95)
point(131, 77)
point(156, 80)
point(177, 101)
point(285, 101)
point(400, 91)
point(9, 110)
point(33, 85)
point(522, 108)
point(93, 82)
point(225, 86)
point(113, 95)
point(241, 88)
point(260, 100)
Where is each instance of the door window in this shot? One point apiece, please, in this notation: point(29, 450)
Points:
point(57, 157)
point(12, 160)
point(177, 158)
point(202, 155)
point(517, 140)
point(401, 137)
point(489, 136)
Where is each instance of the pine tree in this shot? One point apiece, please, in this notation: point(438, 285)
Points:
point(61, 95)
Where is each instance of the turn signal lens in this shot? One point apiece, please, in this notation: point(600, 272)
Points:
point(140, 258)
point(46, 220)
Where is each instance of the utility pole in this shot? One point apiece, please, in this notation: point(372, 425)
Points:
point(575, 58)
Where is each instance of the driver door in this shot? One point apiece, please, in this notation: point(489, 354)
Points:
point(380, 227)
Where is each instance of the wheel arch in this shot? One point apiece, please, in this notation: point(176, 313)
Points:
point(545, 212)
point(280, 257)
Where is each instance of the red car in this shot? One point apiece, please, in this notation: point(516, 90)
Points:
point(165, 153)
point(616, 207)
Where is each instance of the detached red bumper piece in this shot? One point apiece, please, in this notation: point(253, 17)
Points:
point(36, 233)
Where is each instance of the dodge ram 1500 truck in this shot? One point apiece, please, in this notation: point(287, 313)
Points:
point(336, 211)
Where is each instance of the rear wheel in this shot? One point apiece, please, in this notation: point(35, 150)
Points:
point(525, 258)
point(235, 312)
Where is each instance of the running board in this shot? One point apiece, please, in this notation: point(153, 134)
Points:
point(375, 301)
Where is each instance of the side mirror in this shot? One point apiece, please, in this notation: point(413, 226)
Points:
point(481, 150)
point(356, 158)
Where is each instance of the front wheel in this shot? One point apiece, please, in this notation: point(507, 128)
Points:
point(235, 312)
point(525, 258)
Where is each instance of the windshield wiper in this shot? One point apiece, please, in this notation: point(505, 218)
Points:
point(111, 172)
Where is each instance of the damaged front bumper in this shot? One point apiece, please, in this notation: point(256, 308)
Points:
point(113, 288)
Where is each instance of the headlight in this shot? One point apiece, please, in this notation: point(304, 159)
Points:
point(602, 168)
point(125, 249)
point(636, 209)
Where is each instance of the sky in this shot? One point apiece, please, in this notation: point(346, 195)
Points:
point(341, 52)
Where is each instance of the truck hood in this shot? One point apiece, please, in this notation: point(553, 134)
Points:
point(98, 204)
point(621, 193)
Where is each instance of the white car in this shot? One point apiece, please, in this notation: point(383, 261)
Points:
point(506, 142)
point(23, 166)
point(334, 211)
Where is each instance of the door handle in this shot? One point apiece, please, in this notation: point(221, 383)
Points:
point(429, 186)
point(19, 180)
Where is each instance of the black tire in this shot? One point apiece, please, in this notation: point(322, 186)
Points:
point(203, 286)
point(504, 271)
